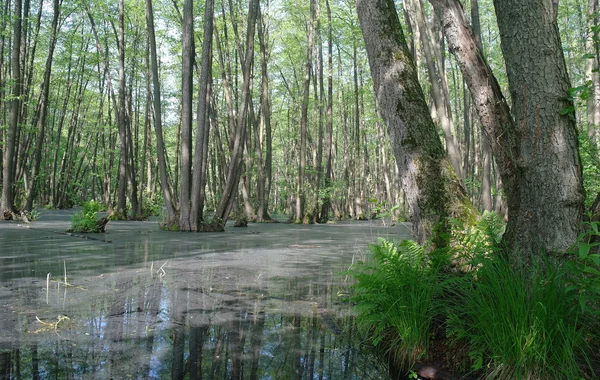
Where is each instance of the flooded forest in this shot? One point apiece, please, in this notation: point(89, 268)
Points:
point(189, 189)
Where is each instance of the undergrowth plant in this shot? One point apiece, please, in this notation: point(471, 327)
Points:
point(86, 220)
point(538, 321)
point(519, 323)
point(395, 295)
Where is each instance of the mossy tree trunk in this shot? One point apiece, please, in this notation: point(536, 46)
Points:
point(433, 191)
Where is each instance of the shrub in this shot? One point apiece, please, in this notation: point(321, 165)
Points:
point(86, 220)
point(395, 298)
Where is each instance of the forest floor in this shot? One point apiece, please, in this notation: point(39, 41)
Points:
point(267, 300)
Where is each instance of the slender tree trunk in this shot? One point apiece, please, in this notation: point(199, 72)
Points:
point(300, 194)
point(42, 109)
point(6, 202)
point(591, 47)
point(265, 169)
point(439, 87)
point(202, 132)
point(186, 115)
point(234, 169)
point(329, 140)
point(431, 187)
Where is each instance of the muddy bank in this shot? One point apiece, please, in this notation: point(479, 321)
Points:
point(263, 302)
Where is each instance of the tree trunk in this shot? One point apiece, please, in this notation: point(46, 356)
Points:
point(6, 202)
point(439, 87)
point(202, 132)
point(537, 153)
point(186, 116)
point(265, 170)
point(329, 140)
point(432, 189)
point(234, 169)
point(591, 75)
point(300, 195)
point(42, 110)
point(551, 191)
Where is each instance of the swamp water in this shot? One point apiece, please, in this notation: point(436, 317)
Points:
point(263, 302)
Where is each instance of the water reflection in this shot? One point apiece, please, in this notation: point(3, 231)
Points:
point(218, 308)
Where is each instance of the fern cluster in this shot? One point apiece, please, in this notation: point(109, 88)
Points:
point(87, 219)
point(396, 296)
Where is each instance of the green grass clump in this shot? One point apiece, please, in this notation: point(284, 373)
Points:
point(520, 323)
point(396, 298)
point(86, 220)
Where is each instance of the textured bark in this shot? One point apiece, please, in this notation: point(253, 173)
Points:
point(432, 189)
point(537, 151)
point(551, 187)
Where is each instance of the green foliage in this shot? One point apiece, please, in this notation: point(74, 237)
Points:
point(469, 243)
point(151, 206)
point(529, 322)
point(385, 212)
point(520, 323)
point(584, 270)
point(33, 214)
point(396, 298)
point(590, 161)
point(86, 220)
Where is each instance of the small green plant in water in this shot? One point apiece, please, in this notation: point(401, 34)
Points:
point(385, 212)
point(86, 220)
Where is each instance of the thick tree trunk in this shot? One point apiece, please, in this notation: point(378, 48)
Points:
point(551, 189)
point(432, 189)
point(537, 151)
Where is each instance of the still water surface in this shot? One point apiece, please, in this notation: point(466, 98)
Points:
point(263, 302)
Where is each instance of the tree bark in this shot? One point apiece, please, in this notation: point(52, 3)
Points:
point(42, 110)
point(203, 122)
point(6, 202)
point(300, 195)
point(432, 189)
point(551, 189)
point(187, 56)
point(234, 169)
point(160, 145)
point(536, 152)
